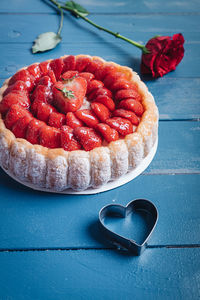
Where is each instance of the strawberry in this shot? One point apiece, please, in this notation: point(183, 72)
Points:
point(42, 93)
point(127, 114)
point(72, 120)
point(34, 106)
point(43, 111)
point(69, 94)
point(34, 70)
point(69, 63)
point(87, 116)
point(112, 77)
point(15, 97)
point(68, 141)
point(107, 101)
point(133, 105)
point(45, 80)
point(25, 76)
point(123, 126)
point(94, 65)
point(128, 93)
point(56, 119)
point(81, 63)
point(44, 68)
point(17, 86)
point(69, 74)
point(52, 76)
point(122, 84)
point(32, 132)
point(87, 76)
point(94, 85)
point(20, 127)
point(49, 137)
point(101, 73)
point(98, 92)
point(101, 111)
point(14, 114)
point(57, 67)
point(108, 133)
point(88, 137)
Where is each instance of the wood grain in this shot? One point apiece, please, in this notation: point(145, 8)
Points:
point(31, 219)
point(157, 274)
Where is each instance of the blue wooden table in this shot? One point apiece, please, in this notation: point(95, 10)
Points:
point(50, 244)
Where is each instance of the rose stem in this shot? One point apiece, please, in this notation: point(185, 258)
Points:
point(116, 34)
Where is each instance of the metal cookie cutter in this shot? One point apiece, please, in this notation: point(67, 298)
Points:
point(117, 210)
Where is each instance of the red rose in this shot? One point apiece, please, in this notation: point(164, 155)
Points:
point(165, 54)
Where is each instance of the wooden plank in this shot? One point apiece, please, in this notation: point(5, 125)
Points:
point(176, 98)
point(157, 274)
point(15, 56)
point(104, 6)
point(25, 28)
point(178, 150)
point(32, 220)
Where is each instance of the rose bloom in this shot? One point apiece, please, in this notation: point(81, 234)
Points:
point(165, 54)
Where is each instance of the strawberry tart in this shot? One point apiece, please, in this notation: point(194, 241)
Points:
point(75, 122)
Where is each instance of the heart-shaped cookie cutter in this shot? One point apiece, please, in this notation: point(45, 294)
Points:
point(123, 211)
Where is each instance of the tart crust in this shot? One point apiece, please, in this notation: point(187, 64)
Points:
point(58, 170)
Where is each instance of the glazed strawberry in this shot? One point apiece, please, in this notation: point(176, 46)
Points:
point(87, 116)
point(15, 97)
point(14, 114)
point(87, 76)
point(32, 131)
point(94, 65)
point(101, 111)
point(44, 68)
point(45, 80)
point(127, 114)
point(56, 119)
point(17, 86)
point(81, 63)
point(94, 85)
point(34, 70)
point(25, 76)
point(101, 73)
point(43, 111)
point(123, 126)
point(101, 91)
point(69, 63)
point(72, 120)
point(69, 74)
point(129, 93)
point(68, 141)
point(108, 133)
point(69, 94)
point(122, 84)
point(52, 76)
point(42, 93)
point(20, 127)
point(57, 66)
point(133, 105)
point(107, 101)
point(111, 78)
point(88, 137)
point(49, 137)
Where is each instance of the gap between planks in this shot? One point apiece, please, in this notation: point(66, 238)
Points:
point(184, 246)
point(108, 13)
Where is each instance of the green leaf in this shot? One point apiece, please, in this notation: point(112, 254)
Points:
point(75, 7)
point(46, 41)
point(67, 93)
